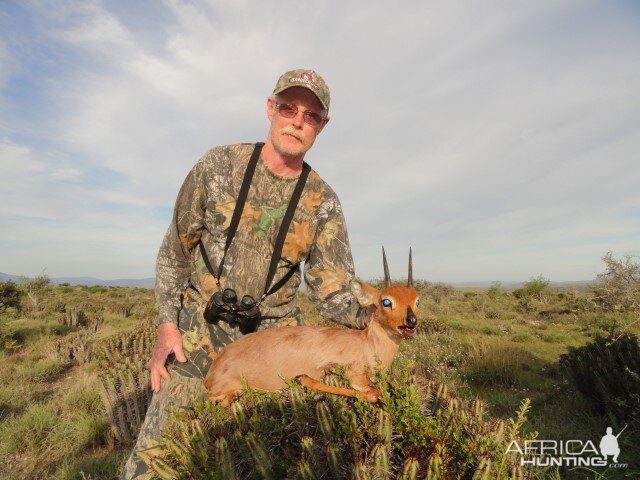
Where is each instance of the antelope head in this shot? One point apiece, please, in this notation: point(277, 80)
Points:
point(396, 306)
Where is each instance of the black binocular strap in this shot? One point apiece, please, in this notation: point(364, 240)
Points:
point(284, 226)
point(242, 199)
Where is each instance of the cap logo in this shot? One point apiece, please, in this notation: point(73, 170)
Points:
point(305, 77)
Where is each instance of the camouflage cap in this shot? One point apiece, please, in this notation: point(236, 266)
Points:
point(306, 79)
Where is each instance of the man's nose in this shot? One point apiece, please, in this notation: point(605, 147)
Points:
point(298, 120)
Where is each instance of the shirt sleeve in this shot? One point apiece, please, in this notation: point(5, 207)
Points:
point(173, 266)
point(329, 270)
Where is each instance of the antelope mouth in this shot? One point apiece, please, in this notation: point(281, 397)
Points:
point(407, 331)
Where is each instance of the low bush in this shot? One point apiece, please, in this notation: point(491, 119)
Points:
point(125, 382)
point(537, 287)
point(10, 295)
point(607, 372)
point(619, 285)
point(126, 394)
point(36, 290)
point(75, 348)
point(9, 340)
point(413, 433)
point(495, 290)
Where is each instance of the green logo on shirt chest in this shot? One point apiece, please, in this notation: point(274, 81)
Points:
point(268, 216)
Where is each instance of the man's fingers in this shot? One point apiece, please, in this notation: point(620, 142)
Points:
point(155, 381)
point(164, 374)
point(179, 353)
point(157, 374)
point(169, 340)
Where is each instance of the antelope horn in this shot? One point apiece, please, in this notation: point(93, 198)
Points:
point(410, 277)
point(387, 278)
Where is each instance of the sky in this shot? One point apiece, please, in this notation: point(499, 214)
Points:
point(499, 139)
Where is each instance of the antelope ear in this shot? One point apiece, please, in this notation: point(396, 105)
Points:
point(365, 294)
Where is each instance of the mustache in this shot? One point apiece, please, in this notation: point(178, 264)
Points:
point(289, 130)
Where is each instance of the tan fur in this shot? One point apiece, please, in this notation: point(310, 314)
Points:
point(264, 358)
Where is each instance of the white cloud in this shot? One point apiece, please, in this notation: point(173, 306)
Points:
point(494, 137)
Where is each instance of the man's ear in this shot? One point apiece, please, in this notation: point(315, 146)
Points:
point(270, 105)
point(365, 294)
point(324, 123)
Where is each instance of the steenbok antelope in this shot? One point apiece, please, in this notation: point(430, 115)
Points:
point(264, 358)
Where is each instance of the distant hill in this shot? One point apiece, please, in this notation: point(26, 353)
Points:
point(90, 281)
point(567, 285)
point(150, 282)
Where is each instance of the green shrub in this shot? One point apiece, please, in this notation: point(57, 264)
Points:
point(492, 314)
point(478, 304)
point(98, 289)
point(10, 295)
point(607, 372)
point(36, 290)
point(600, 325)
point(490, 331)
point(75, 348)
point(305, 435)
point(127, 347)
point(619, 286)
point(495, 290)
point(429, 324)
point(525, 304)
point(537, 287)
point(581, 304)
point(9, 341)
point(126, 394)
point(125, 383)
point(440, 292)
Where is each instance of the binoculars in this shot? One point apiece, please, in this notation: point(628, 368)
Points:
point(224, 306)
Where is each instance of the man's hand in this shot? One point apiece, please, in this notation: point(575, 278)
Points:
point(169, 341)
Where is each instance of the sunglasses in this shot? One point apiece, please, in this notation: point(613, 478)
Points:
point(290, 111)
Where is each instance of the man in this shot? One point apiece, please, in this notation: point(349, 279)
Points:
point(297, 112)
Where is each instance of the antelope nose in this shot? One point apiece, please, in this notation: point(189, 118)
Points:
point(411, 318)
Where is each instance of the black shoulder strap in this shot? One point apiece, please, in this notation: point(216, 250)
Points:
point(284, 228)
point(237, 211)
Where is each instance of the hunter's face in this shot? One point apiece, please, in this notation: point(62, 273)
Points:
point(293, 137)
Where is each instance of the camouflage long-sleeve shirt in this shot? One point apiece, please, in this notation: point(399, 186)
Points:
point(317, 236)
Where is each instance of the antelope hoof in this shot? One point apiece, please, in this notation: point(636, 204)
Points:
point(371, 396)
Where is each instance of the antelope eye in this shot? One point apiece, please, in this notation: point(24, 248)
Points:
point(386, 302)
